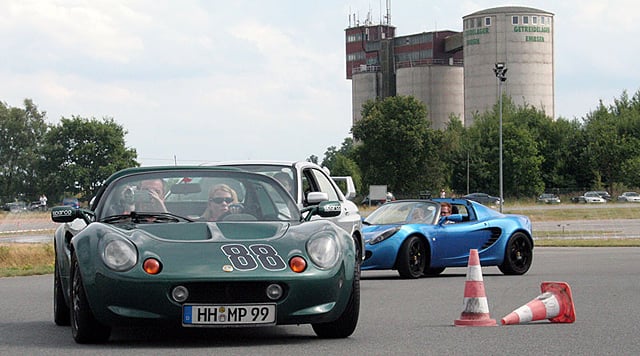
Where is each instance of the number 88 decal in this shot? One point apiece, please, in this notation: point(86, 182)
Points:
point(244, 259)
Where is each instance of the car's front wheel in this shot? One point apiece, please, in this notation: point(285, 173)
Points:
point(518, 255)
point(412, 258)
point(84, 326)
point(345, 325)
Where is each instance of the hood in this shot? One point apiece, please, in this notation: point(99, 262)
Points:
point(200, 231)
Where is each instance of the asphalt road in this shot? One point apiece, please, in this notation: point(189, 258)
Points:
point(398, 317)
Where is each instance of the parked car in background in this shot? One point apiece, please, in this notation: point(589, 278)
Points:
point(548, 198)
point(631, 197)
point(35, 205)
point(71, 202)
point(605, 195)
point(377, 202)
point(410, 236)
point(483, 198)
point(589, 198)
point(578, 199)
point(16, 207)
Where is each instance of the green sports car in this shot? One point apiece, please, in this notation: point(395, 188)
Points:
point(201, 247)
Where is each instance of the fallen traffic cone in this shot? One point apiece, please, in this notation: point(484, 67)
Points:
point(555, 303)
point(476, 308)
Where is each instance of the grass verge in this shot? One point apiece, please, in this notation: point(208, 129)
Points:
point(26, 259)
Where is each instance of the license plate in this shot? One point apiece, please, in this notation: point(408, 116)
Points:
point(221, 315)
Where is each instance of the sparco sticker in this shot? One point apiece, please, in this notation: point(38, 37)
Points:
point(66, 212)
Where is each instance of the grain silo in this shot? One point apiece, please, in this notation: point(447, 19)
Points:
point(522, 39)
point(429, 68)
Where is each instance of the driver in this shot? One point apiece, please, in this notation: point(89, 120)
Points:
point(221, 197)
point(446, 209)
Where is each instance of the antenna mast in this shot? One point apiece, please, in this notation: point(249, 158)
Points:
point(388, 16)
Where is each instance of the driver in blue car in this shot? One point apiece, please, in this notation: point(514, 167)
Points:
point(446, 209)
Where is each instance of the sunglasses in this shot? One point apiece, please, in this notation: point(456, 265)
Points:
point(220, 200)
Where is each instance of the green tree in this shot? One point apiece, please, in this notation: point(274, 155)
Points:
point(394, 144)
point(82, 153)
point(520, 155)
point(452, 156)
point(21, 134)
point(342, 162)
point(609, 144)
point(556, 139)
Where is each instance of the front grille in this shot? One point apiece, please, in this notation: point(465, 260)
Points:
point(230, 292)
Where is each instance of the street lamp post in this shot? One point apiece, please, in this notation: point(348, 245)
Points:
point(501, 73)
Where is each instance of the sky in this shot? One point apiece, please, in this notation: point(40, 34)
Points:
point(204, 81)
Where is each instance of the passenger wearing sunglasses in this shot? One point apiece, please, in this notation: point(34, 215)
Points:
point(221, 197)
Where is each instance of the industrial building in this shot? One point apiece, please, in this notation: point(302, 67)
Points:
point(452, 72)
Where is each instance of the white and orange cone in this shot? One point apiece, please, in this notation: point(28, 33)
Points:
point(555, 303)
point(476, 307)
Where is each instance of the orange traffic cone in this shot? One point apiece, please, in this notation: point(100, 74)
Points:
point(555, 303)
point(476, 308)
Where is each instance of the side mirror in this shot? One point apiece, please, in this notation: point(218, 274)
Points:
point(325, 209)
point(317, 197)
point(66, 214)
point(63, 214)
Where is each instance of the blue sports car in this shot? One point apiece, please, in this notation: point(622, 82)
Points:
point(413, 238)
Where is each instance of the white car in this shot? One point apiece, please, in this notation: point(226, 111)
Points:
point(629, 197)
point(593, 197)
point(310, 184)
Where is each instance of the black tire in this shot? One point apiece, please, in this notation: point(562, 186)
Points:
point(433, 271)
point(84, 326)
point(346, 324)
point(518, 256)
point(412, 258)
point(61, 311)
point(359, 252)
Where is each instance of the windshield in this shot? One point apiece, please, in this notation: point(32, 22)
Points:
point(284, 174)
point(404, 212)
point(202, 195)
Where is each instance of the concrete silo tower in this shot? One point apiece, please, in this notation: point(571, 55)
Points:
point(522, 39)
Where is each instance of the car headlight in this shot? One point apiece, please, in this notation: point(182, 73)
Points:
point(323, 250)
point(118, 253)
point(384, 235)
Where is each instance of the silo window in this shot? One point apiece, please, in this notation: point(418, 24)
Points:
point(514, 20)
point(487, 21)
point(534, 20)
point(525, 20)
